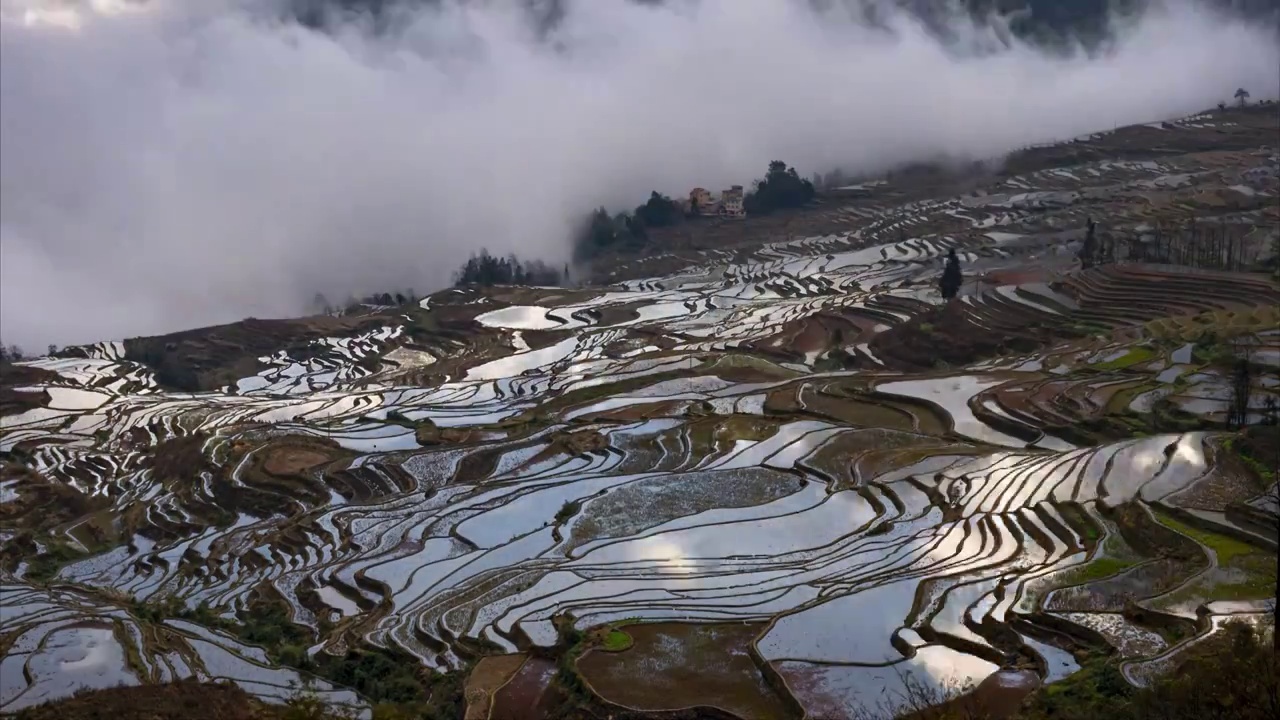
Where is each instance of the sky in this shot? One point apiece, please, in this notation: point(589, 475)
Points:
point(174, 164)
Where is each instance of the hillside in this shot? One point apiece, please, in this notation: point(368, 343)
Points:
point(765, 467)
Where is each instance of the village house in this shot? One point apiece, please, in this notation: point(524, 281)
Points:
point(702, 202)
point(731, 203)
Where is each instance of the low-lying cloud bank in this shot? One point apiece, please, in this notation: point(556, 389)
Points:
point(193, 163)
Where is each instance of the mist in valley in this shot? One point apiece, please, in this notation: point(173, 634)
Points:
point(171, 164)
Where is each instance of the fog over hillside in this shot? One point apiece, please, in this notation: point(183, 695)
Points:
point(179, 163)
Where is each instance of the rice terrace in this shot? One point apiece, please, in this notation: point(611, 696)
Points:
point(772, 477)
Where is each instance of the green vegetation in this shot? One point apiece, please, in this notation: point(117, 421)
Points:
point(1100, 567)
point(568, 510)
point(43, 567)
point(1245, 572)
point(780, 189)
point(1099, 684)
point(1080, 522)
point(170, 369)
point(1225, 548)
point(1256, 575)
point(1135, 355)
point(395, 417)
point(567, 677)
point(485, 270)
point(1089, 328)
point(391, 678)
point(615, 641)
point(1258, 448)
point(1231, 676)
point(951, 281)
point(659, 211)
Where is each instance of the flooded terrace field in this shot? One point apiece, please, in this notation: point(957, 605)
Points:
point(751, 481)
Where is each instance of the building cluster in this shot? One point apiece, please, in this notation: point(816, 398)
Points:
point(729, 204)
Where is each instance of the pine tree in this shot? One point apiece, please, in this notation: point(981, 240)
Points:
point(1089, 250)
point(951, 279)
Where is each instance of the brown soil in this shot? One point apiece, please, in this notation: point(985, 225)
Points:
point(577, 443)
point(183, 700)
point(428, 434)
point(179, 457)
point(1152, 539)
point(41, 504)
point(207, 358)
point(488, 676)
point(526, 696)
point(269, 487)
point(13, 402)
point(945, 335)
point(685, 666)
point(11, 374)
point(291, 461)
point(1230, 481)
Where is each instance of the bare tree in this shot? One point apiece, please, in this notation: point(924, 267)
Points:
point(1243, 96)
point(1241, 387)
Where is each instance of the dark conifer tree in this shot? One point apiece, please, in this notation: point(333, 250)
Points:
point(1089, 250)
point(951, 279)
point(1238, 413)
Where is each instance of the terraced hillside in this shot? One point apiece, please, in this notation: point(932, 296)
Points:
point(779, 481)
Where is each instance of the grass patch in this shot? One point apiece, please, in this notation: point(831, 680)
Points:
point(1225, 548)
point(1135, 355)
point(1260, 584)
point(1080, 522)
point(739, 361)
point(615, 641)
point(1100, 567)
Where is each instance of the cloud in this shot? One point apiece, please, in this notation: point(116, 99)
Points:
point(183, 163)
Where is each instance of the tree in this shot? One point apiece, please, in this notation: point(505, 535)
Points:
point(1222, 106)
point(1238, 412)
point(781, 188)
point(1089, 250)
point(659, 211)
point(52, 349)
point(951, 279)
point(1243, 96)
point(486, 270)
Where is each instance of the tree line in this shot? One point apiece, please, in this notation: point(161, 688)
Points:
point(781, 188)
point(1221, 247)
point(486, 270)
point(321, 304)
point(15, 353)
